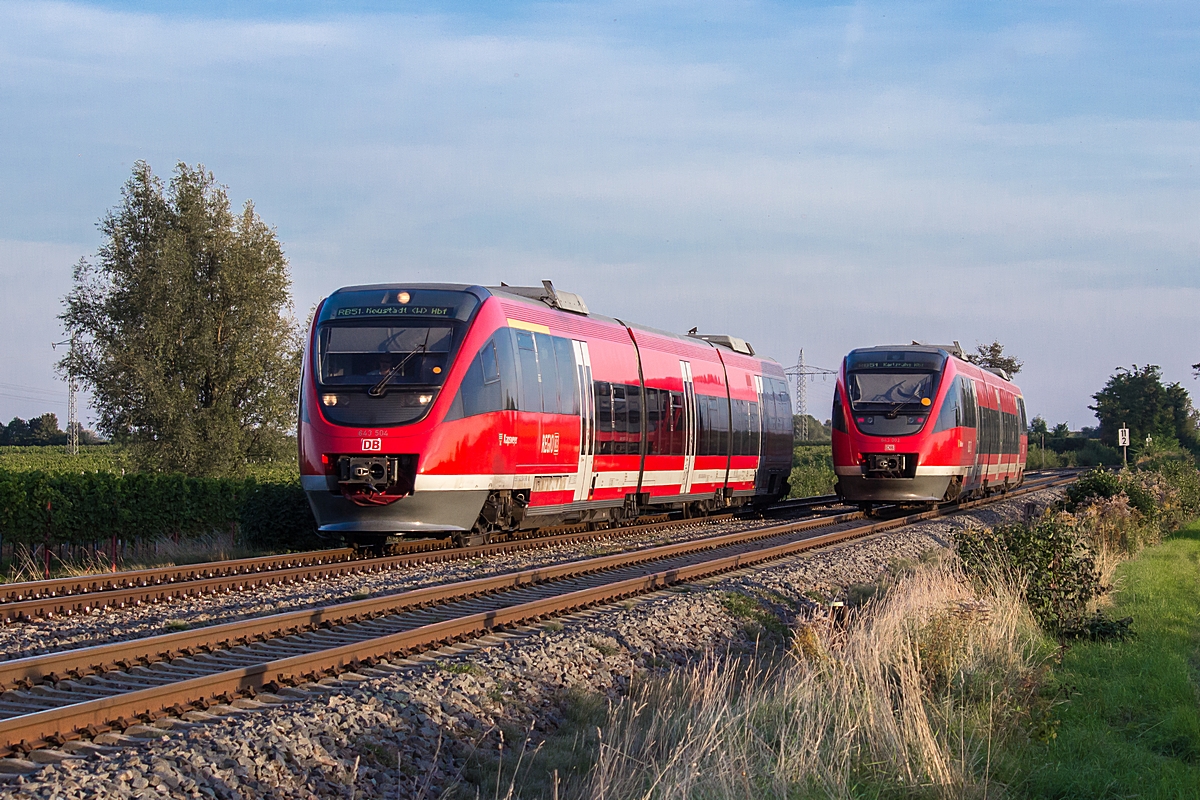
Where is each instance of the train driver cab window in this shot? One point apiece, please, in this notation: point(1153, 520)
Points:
point(838, 421)
point(951, 415)
point(489, 383)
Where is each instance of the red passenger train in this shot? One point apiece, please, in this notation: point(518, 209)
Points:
point(920, 424)
point(469, 411)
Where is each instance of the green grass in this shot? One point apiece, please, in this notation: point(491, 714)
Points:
point(1131, 725)
point(113, 458)
point(54, 459)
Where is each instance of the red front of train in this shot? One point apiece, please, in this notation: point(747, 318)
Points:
point(446, 408)
point(919, 424)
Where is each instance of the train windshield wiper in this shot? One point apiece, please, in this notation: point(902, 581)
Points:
point(895, 409)
point(377, 389)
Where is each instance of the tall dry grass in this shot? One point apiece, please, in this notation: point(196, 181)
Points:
point(908, 699)
point(28, 562)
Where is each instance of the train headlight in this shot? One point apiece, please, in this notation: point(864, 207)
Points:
point(424, 399)
point(925, 401)
point(329, 399)
point(403, 298)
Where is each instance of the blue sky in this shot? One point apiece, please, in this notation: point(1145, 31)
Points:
point(803, 175)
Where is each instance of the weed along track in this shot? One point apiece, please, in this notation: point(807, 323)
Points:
point(57, 698)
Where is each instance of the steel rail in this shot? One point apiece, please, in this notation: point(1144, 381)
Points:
point(119, 597)
point(97, 583)
point(32, 670)
point(55, 725)
point(100, 582)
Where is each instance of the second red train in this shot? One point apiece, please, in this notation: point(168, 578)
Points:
point(920, 424)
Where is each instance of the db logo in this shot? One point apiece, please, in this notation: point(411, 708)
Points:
point(372, 445)
point(891, 448)
point(550, 443)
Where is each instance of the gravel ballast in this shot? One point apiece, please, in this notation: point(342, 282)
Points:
point(408, 729)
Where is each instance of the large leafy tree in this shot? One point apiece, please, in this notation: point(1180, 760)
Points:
point(1138, 398)
point(182, 327)
point(992, 355)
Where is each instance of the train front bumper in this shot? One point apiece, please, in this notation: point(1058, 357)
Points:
point(920, 489)
point(420, 512)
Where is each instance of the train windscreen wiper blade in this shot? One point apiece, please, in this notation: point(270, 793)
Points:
point(377, 389)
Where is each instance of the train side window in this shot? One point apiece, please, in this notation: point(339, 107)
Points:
point(754, 440)
point(620, 419)
point(633, 401)
point(702, 425)
point(839, 415)
point(548, 373)
point(531, 387)
point(675, 419)
point(568, 377)
point(604, 422)
point(1021, 410)
point(735, 427)
point(719, 438)
point(653, 413)
point(970, 417)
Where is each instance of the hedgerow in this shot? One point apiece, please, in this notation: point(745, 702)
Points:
point(79, 508)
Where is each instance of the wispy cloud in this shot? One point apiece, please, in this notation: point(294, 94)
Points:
point(817, 176)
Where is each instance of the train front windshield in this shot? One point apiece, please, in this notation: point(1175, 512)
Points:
point(383, 354)
point(892, 392)
point(391, 355)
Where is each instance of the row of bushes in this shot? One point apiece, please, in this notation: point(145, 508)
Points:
point(80, 508)
point(1061, 559)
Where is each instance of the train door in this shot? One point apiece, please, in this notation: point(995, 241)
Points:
point(760, 474)
point(689, 427)
point(587, 421)
point(977, 425)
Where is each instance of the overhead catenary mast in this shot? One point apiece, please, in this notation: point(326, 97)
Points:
point(803, 373)
point(72, 407)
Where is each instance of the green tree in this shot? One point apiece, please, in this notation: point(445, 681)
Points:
point(1138, 398)
point(182, 327)
point(1061, 431)
point(992, 355)
point(44, 430)
point(1038, 427)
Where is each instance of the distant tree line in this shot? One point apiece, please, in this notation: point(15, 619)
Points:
point(41, 430)
point(1158, 415)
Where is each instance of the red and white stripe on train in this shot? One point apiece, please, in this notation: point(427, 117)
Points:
point(920, 424)
point(444, 408)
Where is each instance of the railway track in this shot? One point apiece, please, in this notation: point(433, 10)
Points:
point(24, 602)
point(57, 698)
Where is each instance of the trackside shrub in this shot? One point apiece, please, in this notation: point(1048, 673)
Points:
point(1049, 557)
point(1103, 485)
